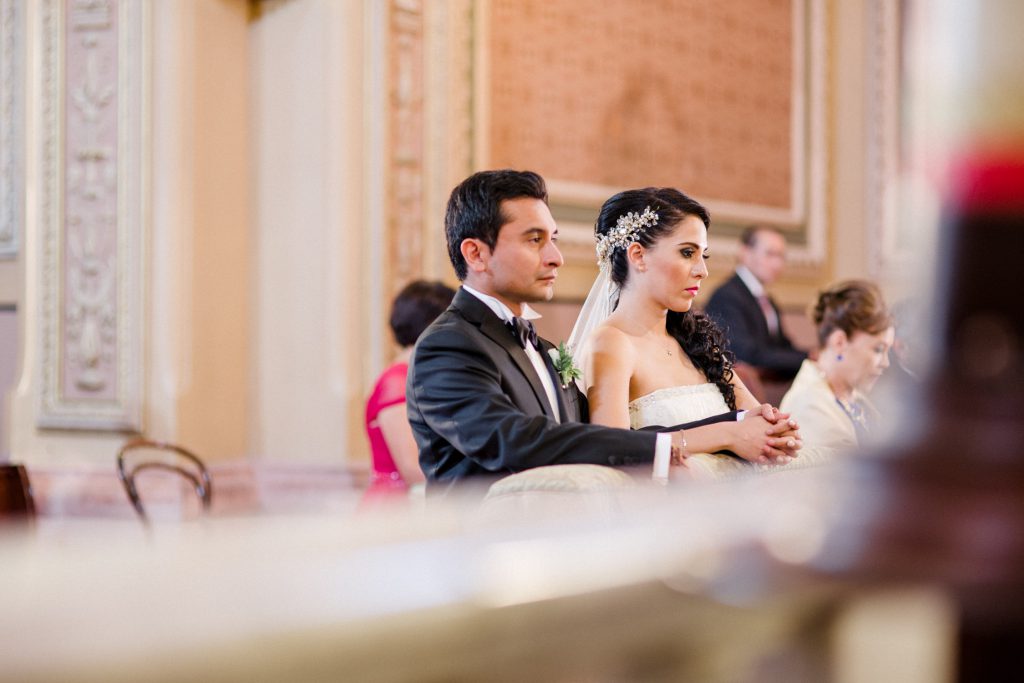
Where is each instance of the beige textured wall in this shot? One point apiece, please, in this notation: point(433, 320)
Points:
point(848, 231)
point(687, 94)
point(212, 407)
point(274, 181)
point(596, 97)
point(318, 228)
point(10, 281)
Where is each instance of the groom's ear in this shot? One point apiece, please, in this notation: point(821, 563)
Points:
point(476, 254)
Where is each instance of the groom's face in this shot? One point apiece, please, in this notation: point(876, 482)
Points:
point(524, 262)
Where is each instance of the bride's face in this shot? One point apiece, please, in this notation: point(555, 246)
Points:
point(673, 268)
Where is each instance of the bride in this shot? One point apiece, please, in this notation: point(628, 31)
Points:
point(646, 358)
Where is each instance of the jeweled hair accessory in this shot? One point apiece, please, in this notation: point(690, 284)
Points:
point(625, 232)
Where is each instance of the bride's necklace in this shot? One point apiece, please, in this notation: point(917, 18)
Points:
point(660, 342)
point(669, 349)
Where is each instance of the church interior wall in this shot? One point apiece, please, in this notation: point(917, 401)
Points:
point(216, 254)
point(317, 227)
point(294, 157)
point(300, 156)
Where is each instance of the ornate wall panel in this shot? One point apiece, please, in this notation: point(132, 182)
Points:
point(891, 224)
point(449, 117)
point(718, 99)
point(430, 76)
point(12, 54)
point(406, 143)
point(92, 212)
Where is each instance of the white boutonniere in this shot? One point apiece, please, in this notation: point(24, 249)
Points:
point(562, 359)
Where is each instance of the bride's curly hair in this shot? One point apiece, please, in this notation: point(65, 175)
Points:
point(698, 335)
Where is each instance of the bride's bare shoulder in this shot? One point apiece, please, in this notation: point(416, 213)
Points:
point(611, 359)
point(610, 340)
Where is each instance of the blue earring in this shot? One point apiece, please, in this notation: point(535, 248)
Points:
point(839, 356)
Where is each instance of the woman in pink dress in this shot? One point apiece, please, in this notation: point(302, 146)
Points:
point(393, 449)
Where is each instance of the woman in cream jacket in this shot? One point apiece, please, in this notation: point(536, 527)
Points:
point(828, 396)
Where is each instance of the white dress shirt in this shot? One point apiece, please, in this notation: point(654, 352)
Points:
point(757, 289)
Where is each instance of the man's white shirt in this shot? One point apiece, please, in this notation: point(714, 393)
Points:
point(757, 289)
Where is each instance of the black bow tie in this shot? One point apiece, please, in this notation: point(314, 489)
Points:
point(523, 331)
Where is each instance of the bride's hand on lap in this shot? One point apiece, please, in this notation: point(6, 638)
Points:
point(788, 446)
point(784, 428)
point(775, 416)
point(785, 437)
point(757, 440)
point(768, 412)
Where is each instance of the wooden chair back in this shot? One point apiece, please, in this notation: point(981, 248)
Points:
point(142, 454)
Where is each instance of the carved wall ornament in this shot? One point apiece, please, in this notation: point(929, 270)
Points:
point(93, 212)
point(406, 133)
point(448, 118)
point(12, 30)
point(891, 228)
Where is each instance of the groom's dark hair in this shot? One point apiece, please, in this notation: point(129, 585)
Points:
point(474, 208)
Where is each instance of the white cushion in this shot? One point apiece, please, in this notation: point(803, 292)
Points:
point(558, 490)
point(564, 478)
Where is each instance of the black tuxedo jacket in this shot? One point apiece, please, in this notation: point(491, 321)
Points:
point(478, 408)
point(738, 313)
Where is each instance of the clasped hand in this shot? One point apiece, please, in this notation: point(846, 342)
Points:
point(767, 436)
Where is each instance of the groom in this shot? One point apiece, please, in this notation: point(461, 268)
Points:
point(483, 395)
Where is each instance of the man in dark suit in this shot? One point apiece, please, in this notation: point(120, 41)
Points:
point(483, 395)
point(742, 307)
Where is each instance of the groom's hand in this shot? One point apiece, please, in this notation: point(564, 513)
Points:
point(679, 453)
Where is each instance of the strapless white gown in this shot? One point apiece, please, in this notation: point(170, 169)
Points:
point(676, 405)
point(679, 405)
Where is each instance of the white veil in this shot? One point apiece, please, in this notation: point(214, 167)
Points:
point(604, 295)
point(601, 301)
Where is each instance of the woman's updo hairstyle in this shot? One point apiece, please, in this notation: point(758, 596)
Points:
point(669, 204)
point(851, 306)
